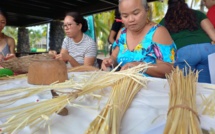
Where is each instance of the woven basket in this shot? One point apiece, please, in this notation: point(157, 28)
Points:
point(20, 65)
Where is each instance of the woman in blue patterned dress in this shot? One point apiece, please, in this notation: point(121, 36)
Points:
point(141, 41)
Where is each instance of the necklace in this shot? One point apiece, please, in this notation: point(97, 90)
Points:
point(79, 41)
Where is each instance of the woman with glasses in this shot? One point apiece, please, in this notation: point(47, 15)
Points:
point(194, 36)
point(77, 48)
point(7, 44)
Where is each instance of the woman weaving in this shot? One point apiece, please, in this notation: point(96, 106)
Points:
point(7, 44)
point(141, 41)
point(77, 48)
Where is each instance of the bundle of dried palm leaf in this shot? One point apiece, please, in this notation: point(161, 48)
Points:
point(182, 114)
point(33, 114)
point(109, 119)
point(29, 115)
point(94, 81)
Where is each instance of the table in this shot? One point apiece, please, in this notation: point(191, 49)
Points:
point(146, 115)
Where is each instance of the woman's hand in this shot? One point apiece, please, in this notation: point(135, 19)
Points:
point(107, 62)
point(130, 65)
point(63, 56)
point(9, 56)
point(53, 52)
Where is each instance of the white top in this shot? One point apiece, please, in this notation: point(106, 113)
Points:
point(85, 48)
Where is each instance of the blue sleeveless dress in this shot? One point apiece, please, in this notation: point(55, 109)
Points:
point(146, 51)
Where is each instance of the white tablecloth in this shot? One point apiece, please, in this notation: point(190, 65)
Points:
point(146, 115)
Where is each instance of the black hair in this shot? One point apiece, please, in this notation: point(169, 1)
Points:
point(180, 17)
point(3, 13)
point(79, 19)
point(117, 14)
point(170, 2)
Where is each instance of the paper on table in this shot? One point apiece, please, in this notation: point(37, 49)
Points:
point(211, 63)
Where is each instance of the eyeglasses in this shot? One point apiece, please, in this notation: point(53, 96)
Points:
point(69, 25)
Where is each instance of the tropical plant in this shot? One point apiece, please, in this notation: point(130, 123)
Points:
point(157, 10)
point(103, 22)
point(12, 32)
point(35, 36)
point(44, 30)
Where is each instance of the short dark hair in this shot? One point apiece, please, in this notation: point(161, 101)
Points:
point(117, 13)
point(79, 19)
point(3, 13)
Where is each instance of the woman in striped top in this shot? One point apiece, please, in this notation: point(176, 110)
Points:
point(77, 48)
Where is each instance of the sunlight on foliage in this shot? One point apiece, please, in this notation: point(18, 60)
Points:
point(103, 22)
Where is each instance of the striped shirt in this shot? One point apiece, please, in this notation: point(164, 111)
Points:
point(85, 48)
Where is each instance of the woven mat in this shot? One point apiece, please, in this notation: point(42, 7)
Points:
point(21, 64)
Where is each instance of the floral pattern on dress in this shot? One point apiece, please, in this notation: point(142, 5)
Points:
point(157, 51)
point(125, 47)
point(138, 47)
point(145, 51)
point(172, 56)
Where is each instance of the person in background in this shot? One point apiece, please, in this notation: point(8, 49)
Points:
point(193, 34)
point(77, 48)
point(7, 44)
point(141, 41)
point(116, 26)
point(210, 4)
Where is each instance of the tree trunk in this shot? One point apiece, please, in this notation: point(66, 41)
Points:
point(23, 41)
point(56, 35)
